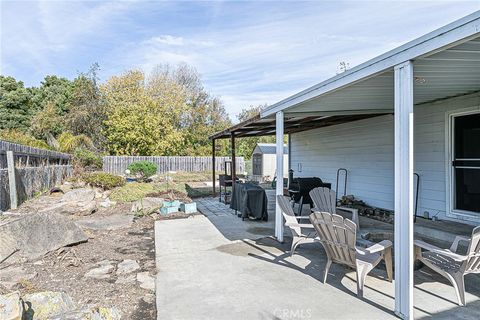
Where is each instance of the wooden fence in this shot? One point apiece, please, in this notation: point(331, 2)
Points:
point(29, 156)
point(25, 171)
point(118, 164)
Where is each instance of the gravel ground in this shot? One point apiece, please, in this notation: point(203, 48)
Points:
point(65, 269)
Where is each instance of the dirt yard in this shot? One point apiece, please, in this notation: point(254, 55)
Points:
point(65, 270)
point(114, 268)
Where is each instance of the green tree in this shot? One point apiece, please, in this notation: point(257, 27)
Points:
point(87, 112)
point(16, 106)
point(140, 119)
point(204, 114)
point(55, 90)
point(47, 122)
point(53, 100)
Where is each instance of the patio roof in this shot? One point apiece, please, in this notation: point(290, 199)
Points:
point(257, 126)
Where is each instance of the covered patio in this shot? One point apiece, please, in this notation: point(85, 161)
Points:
point(216, 266)
point(436, 76)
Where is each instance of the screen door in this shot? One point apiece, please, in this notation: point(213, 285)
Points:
point(466, 162)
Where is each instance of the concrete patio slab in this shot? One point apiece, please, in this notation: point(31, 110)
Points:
point(220, 267)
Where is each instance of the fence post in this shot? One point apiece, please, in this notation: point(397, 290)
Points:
point(12, 183)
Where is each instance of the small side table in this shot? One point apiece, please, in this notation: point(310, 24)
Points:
point(354, 214)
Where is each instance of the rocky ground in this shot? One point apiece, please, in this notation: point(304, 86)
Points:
point(114, 269)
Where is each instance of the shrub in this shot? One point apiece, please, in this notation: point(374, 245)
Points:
point(87, 159)
point(132, 191)
point(103, 180)
point(143, 168)
point(69, 142)
point(16, 136)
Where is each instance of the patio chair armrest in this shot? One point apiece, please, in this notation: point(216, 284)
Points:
point(381, 246)
point(457, 240)
point(302, 217)
point(299, 225)
point(435, 249)
point(306, 225)
point(292, 224)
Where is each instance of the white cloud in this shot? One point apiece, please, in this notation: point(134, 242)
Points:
point(248, 52)
point(170, 40)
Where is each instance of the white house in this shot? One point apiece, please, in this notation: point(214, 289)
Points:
point(264, 163)
point(414, 109)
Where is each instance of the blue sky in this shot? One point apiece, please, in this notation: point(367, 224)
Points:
point(247, 52)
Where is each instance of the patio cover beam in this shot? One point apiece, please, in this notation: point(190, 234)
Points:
point(403, 223)
point(256, 127)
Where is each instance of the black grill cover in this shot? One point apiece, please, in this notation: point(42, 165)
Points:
point(251, 200)
point(304, 186)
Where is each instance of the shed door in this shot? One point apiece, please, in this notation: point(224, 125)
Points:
point(466, 162)
point(257, 164)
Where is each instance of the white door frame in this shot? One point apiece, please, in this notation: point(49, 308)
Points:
point(449, 187)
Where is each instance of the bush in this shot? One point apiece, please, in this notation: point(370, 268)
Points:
point(69, 142)
point(16, 136)
point(132, 192)
point(143, 168)
point(87, 159)
point(103, 180)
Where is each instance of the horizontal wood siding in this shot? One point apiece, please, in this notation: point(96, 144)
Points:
point(118, 164)
point(365, 149)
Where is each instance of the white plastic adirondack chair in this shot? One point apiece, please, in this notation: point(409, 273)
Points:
point(325, 200)
point(291, 221)
point(338, 237)
point(451, 265)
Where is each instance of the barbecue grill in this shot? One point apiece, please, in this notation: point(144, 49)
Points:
point(299, 189)
point(225, 180)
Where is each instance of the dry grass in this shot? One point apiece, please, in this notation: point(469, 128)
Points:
point(137, 190)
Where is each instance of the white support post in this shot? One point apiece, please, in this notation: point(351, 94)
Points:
point(404, 190)
point(12, 183)
point(279, 189)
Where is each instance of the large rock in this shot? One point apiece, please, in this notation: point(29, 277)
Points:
point(79, 195)
point(12, 275)
point(79, 208)
point(36, 234)
point(103, 271)
point(11, 306)
point(148, 204)
point(72, 208)
point(127, 266)
point(112, 222)
point(46, 305)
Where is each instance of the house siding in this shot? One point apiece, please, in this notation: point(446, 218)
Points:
point(366, 149)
